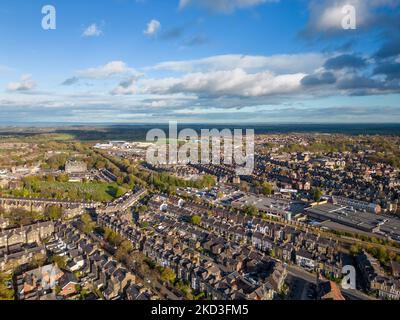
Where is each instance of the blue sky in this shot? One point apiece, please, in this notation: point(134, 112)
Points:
point(200, 61)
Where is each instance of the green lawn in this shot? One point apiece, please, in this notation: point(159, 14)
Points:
point(90, 191)
point(5, 293)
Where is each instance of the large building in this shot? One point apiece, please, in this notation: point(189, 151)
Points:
point(73, 167)
point(274, 206)
point(356, 220)
point(358, 205)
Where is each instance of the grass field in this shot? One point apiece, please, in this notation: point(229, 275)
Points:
point(91, 191)
point(5, 292)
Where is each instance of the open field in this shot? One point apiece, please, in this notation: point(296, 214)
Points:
point(90, 191)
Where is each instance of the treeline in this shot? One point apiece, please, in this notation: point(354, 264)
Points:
point(163, 182)
point(320, 147)
point(365, 238)
point(383, 255)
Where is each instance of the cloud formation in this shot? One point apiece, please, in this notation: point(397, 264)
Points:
point(323, 78)
point(25, 84)
point(126, 87)
point(152, 28)
point(92, 31)
point(110, 69)
point(390, 49)
point(277, 63)
point(345, 61)
point(232, 83)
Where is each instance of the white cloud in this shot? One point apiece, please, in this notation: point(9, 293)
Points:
point(224, 6)
point(107, 70)
point(232, 83)
point(159, 104)
point(278, 63)
point(152, 27)
point(26, 84)
point(126, 87)
point(92, 31)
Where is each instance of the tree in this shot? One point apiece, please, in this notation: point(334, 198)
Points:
point(317, 194)
point(195, 220)
point(88, 225)
point(144, 224)
point(355, 249)
point(124, 249)
point(143, 209)
point(185, 289)
point(112, 237)
point(53, 212)
point(50, 178)
point(38, 260)
point(168, 275)
point(251, 211)
point(59, 261)
point(63, 178)
point(267, 188)
point(22, 217)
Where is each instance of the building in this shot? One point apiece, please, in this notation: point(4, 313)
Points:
point(34, 233)
point(358, 205)
point(74, 167)
point(376, 279)
point(305, 260)
point(4, 222)
point(364, 221)
point(273, 206)
point(34, 284)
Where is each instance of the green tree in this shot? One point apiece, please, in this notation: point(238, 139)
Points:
point(38, 260)
point(317, 194)
point(355, 249)
point(123, 251)
point(59, 261)
point(88, 225)
point(196, 220)
point(168, 275)
point(63, 178)
point(53, 212)
point(267, 188)
point(251, 211)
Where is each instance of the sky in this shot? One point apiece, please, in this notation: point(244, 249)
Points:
point(200, 61)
